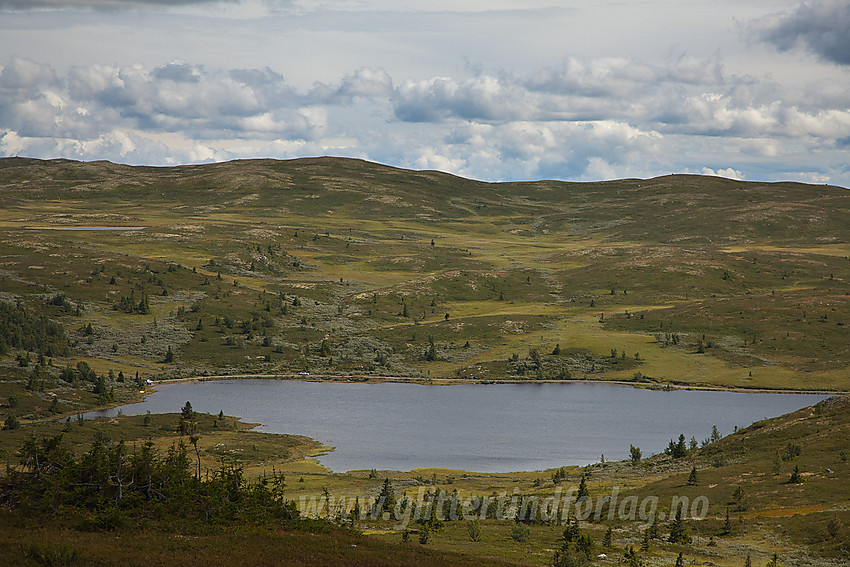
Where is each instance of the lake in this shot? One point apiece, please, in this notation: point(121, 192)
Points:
point(475, 427)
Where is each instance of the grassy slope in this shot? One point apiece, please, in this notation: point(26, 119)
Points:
point(219, 547)
point(755, 272)
point(789, 519)
point(27, 541)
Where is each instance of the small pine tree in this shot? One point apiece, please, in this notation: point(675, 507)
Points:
point(186, 412)
point(681, 449)
point(693, 478)
point(678, 529)
point(11, 423)
point(632, 558)
point(738, 499)
point(680, 560)
point(387, 497)
point(727, 525)
point(608, 538)
point(653, 528)
point(473, 528)
point(796, 477)
point(431, 353)
point(749, 561)
point(582, 488)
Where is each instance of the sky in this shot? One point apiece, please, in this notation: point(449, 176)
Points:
point(494, 90)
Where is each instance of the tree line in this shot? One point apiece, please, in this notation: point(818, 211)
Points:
point(114, 484)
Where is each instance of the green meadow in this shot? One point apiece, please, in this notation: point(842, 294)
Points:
point(350, 270)
point(343, 267)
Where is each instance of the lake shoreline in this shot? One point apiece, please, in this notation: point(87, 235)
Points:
point(372, 379)
point(420, 432)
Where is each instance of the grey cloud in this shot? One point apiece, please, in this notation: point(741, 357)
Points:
point(569, 121)
point(109, 5)
point(595, 78)
point(178, 72)
point(180, 98)
point(622, 77)
point(22, 73)
point(256, 77)
point(365, 83)
point(687, 96)
point(821, 26)
point(578, 90)
point(480, 98)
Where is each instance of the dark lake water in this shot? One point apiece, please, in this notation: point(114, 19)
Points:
point(475, 427)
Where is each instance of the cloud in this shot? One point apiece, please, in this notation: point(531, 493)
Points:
point(728, 173)
point(687, 96)
point(585, 119)
point(108, 5)
point(578, 90)
point(178, 72)
point(24, 74)
point(479, 98)
point(366, 83)
point(820, 26)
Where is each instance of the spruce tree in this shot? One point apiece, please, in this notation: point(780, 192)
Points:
point(693, 478)
point(678, 529)
point(608, 538)
point(582, 488)
point(796, 477)
point(635, 454)
point(653, 527)
point(680, 449)
point(387, 497)
point(186, 412)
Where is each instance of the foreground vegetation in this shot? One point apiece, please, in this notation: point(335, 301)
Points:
point(127, 490)
point(127, 502)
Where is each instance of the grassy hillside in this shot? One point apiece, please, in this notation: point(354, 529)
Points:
point(338, 266)
point(348, 269)
point(128, 496)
